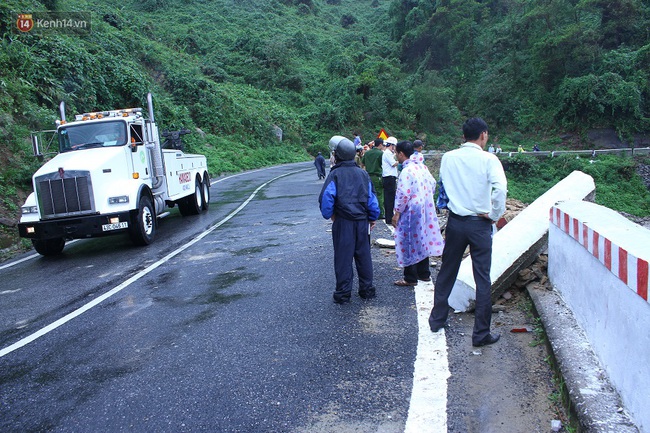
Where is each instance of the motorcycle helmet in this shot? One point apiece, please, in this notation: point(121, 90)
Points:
point(343, 148)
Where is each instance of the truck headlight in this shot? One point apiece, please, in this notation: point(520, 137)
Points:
point(26, 210)
point(119, 199)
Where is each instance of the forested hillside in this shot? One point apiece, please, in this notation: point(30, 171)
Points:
point(233, 71)
point(531, 65)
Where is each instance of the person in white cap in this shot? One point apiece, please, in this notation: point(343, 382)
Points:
point(389, 178)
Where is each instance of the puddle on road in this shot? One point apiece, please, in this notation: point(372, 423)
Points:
point(248, 251)
point(14, 374)
point(290, 223)
point(113, 372)
point(215, 292)
point(47, 377)
point(214, 295)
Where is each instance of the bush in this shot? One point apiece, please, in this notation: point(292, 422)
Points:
point(618, 186)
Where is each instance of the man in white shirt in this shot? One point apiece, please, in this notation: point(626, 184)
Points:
point(389, 178)
point(476, 186)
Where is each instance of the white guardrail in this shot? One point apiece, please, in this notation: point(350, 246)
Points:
point(626, 151)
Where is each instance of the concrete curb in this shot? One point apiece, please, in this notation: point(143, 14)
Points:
point(593, 399)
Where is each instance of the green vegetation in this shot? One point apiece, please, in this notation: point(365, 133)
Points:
point(233, 71)
point(618, 186)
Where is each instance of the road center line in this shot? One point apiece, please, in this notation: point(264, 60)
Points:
point(65, 319)
point(428, 406)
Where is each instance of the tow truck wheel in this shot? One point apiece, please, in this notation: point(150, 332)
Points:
point(143, 224)
point(205, 196)
point(49, 247)
point(192, 204)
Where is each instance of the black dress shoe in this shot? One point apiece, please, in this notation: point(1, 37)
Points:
point(435, 327)
point(490, 339)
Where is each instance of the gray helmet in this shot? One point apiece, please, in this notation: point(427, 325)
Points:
point(343, 148)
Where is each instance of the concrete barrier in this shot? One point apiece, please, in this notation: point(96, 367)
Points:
point(517, 244)
point(598, 262)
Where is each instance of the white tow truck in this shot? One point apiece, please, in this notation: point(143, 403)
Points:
point(111, 175)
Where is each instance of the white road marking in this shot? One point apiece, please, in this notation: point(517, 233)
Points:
point(34, 256)
point(24, 259)
point(65, 319)
point(428, 407)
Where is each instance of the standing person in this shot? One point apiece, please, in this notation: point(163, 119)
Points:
point(332, 161)
point(371, 160)
point(359, 155)
point(418, 145)
point(319, 162)
point(357, 139)
point(389, 178)
point(417, 232)
point(476, 187)
point(348, 199)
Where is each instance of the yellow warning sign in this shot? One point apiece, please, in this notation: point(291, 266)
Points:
point(382, 134)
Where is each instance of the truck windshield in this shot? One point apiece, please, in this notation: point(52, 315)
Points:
point(96, 134)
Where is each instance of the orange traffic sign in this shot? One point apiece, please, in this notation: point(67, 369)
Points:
point(382, 134)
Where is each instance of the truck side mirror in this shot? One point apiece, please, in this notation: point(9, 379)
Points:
point(35, 146)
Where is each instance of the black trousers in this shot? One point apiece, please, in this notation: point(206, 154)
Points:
point(390, 188)
point(477, 233)
point(419, 271)
point(351, 242)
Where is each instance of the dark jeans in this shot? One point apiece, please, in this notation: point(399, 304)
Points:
point(419, 271)
point(459, 234)
point(351, 242)
point(390, 188)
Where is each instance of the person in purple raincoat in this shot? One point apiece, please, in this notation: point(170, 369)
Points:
point(417, 232)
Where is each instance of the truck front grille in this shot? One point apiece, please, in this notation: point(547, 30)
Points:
point(70, 195)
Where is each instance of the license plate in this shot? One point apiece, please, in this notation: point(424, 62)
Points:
point(109, 227)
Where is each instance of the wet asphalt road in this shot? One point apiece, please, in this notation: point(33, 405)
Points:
point(226, 324)
point(235, 333)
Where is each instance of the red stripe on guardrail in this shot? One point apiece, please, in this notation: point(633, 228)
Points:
point(642, 278)
point(631, 270)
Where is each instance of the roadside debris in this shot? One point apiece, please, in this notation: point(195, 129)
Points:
point(556, 425)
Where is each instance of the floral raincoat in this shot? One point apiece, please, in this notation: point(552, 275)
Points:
point(417, 235)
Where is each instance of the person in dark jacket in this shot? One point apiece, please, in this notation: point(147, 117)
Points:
point(319, 162)
point(348, 198)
